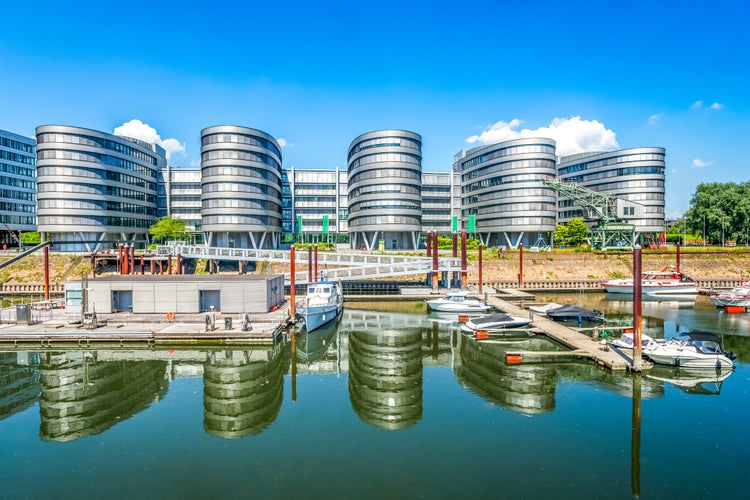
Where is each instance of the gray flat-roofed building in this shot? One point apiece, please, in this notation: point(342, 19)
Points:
point(180, 195)
point(95, 189)
point(17, 187)
point(634, 175)
point(440, 201)
point(502, 186)
point(318, 201)
point(241, 187)
point(385, 190)
point(185, 293)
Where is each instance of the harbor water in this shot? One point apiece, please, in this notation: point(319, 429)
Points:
point(391, 402)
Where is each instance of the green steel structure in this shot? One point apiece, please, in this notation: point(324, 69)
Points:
point(610, 231)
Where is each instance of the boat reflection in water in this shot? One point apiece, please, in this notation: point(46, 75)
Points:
point(317, 345)
point(525, 388)
point(83, 396)
point(656, 301)
point(691, 380)
point(385, 376)
point(242, 391)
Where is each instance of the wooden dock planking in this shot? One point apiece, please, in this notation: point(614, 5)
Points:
point(568, 337)
point(515, 294)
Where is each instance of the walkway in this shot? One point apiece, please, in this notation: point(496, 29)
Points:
point(581, 344)
point(338, 266)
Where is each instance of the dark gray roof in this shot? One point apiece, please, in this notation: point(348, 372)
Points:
point(182, 278)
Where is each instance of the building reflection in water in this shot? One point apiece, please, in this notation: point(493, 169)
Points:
point(242, 391)
point(525, 388)
point(385, 376)
point(81, 396)
point(19, 382)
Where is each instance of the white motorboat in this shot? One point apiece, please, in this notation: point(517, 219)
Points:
point(323, 303)
point(493, 322)
point(626, 341)
point(690, 350)
point(543, 309)
point(738, 296)
point(458, 302)
point(655, 283)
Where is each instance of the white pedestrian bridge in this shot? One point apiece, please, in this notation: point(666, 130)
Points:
point(336, 265)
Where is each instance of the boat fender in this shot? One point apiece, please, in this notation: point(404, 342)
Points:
point(170, 316)
point(718, 364)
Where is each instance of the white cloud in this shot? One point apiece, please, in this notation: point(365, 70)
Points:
point(717, 105)
point(653, 119)
point(674, 171)
point(572, 135)
point(136, 129)
point(698, 163)
point(697, 105)
point(283, 142)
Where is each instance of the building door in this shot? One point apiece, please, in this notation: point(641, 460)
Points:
point(210, 300)
point(122, 300)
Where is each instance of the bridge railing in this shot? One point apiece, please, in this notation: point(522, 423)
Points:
point(338, 266)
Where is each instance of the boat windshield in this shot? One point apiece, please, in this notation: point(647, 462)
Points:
point(707, 346)
point(458, 298)
point(318, 289)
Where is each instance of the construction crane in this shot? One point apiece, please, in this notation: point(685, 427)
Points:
point(610, 230)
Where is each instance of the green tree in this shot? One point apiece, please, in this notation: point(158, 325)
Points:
point(574, 233)
point(31, 238)
point(720, 211)
point(561, 234)
point(168, 228)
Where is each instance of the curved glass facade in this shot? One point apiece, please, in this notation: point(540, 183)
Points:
point(502, 187)
point(95, 189)
point(385, 189)
point(240, 187)
point(636, 175)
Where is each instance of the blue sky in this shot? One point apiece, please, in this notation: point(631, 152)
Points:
point(600, 75)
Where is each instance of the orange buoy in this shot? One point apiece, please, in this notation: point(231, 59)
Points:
point(513, 359)
point(463, 319)
point(170, 316)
